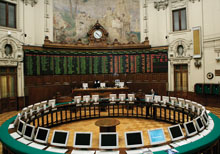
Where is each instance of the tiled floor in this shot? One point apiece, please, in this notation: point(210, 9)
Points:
point(126, 124)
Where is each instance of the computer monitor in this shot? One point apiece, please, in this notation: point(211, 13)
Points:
point(175, 132)
point(52, 103)
point(148, 98)
point(42, 135)
point(199, 124)
point(95, 98)
point(102, 85)
point(86, 98)
point(21, 126)
point(82, 140)
point(204, 118)
point(134, 139)
point(157, 99)
point(17, 119)
point(131, 97)
point(77, 99)
point(60, 138)
point(190, 128)
point(206, 114)
point(121, 84)
point(29, 132)
point(122, 97)
point(156, 136)
point(108, 140)
point(85, 85)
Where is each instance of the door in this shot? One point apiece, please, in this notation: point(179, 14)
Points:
point(8, 89)
point(181, 78)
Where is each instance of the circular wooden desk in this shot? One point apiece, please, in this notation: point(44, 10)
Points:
point(107, 125)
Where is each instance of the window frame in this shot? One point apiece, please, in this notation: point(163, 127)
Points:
point(179, 17)
point(7, 14)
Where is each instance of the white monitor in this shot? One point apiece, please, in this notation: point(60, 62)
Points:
point(86, 98)
point(95, 98)
point(42, 135)
point(23, 111)
point(85, 85)
point(157, 99)
point(205, 118)
point(156, 136)
point(52, 103)
point(77, 99)
point(21, 126)
point(131, 97)
point(102, 85)
point(121, 84)
point(36, 107)
point(29, 132)
point(181, 102)
point(134, 139)
point(82, 140)
point(108, 140)
point(60, 138)
point(173, 100)
point(176, 132)
point(113, 97)
point(190, 128)
point(165, 99)
point(199, 124)
point(148, 98)
point(117, 81)
point(122, 97)
point(17, 119)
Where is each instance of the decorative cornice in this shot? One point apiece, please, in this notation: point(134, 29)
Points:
point(115, 45)
point(162, 4)
point(31, 2)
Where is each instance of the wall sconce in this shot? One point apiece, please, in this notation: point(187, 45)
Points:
point(197, 63)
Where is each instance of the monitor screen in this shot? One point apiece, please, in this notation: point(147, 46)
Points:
point(21, 126)
point(42, 135)
point(190, 128)
point(134, 139)
point(206, 114)
point(205, 119)
point(60, 138)
point(29, 132)
point(156, 136)
point(199, 123)
point(175, 132)
point(108, 140)
point(83, 140)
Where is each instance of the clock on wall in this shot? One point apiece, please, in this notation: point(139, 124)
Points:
point(97, 35)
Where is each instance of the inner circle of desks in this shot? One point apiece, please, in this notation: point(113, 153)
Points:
point(174, 110)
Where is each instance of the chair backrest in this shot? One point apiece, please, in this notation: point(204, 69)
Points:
point(148, 98)
point(157, 98)
point(86, 98)
point(95, 98)
point(122, 97)
point(77, 99)
point(131, 97)
point(165, 99)
point(181, 102)
point(113, 97)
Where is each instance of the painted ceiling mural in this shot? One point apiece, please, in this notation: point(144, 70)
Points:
point(74, 18)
